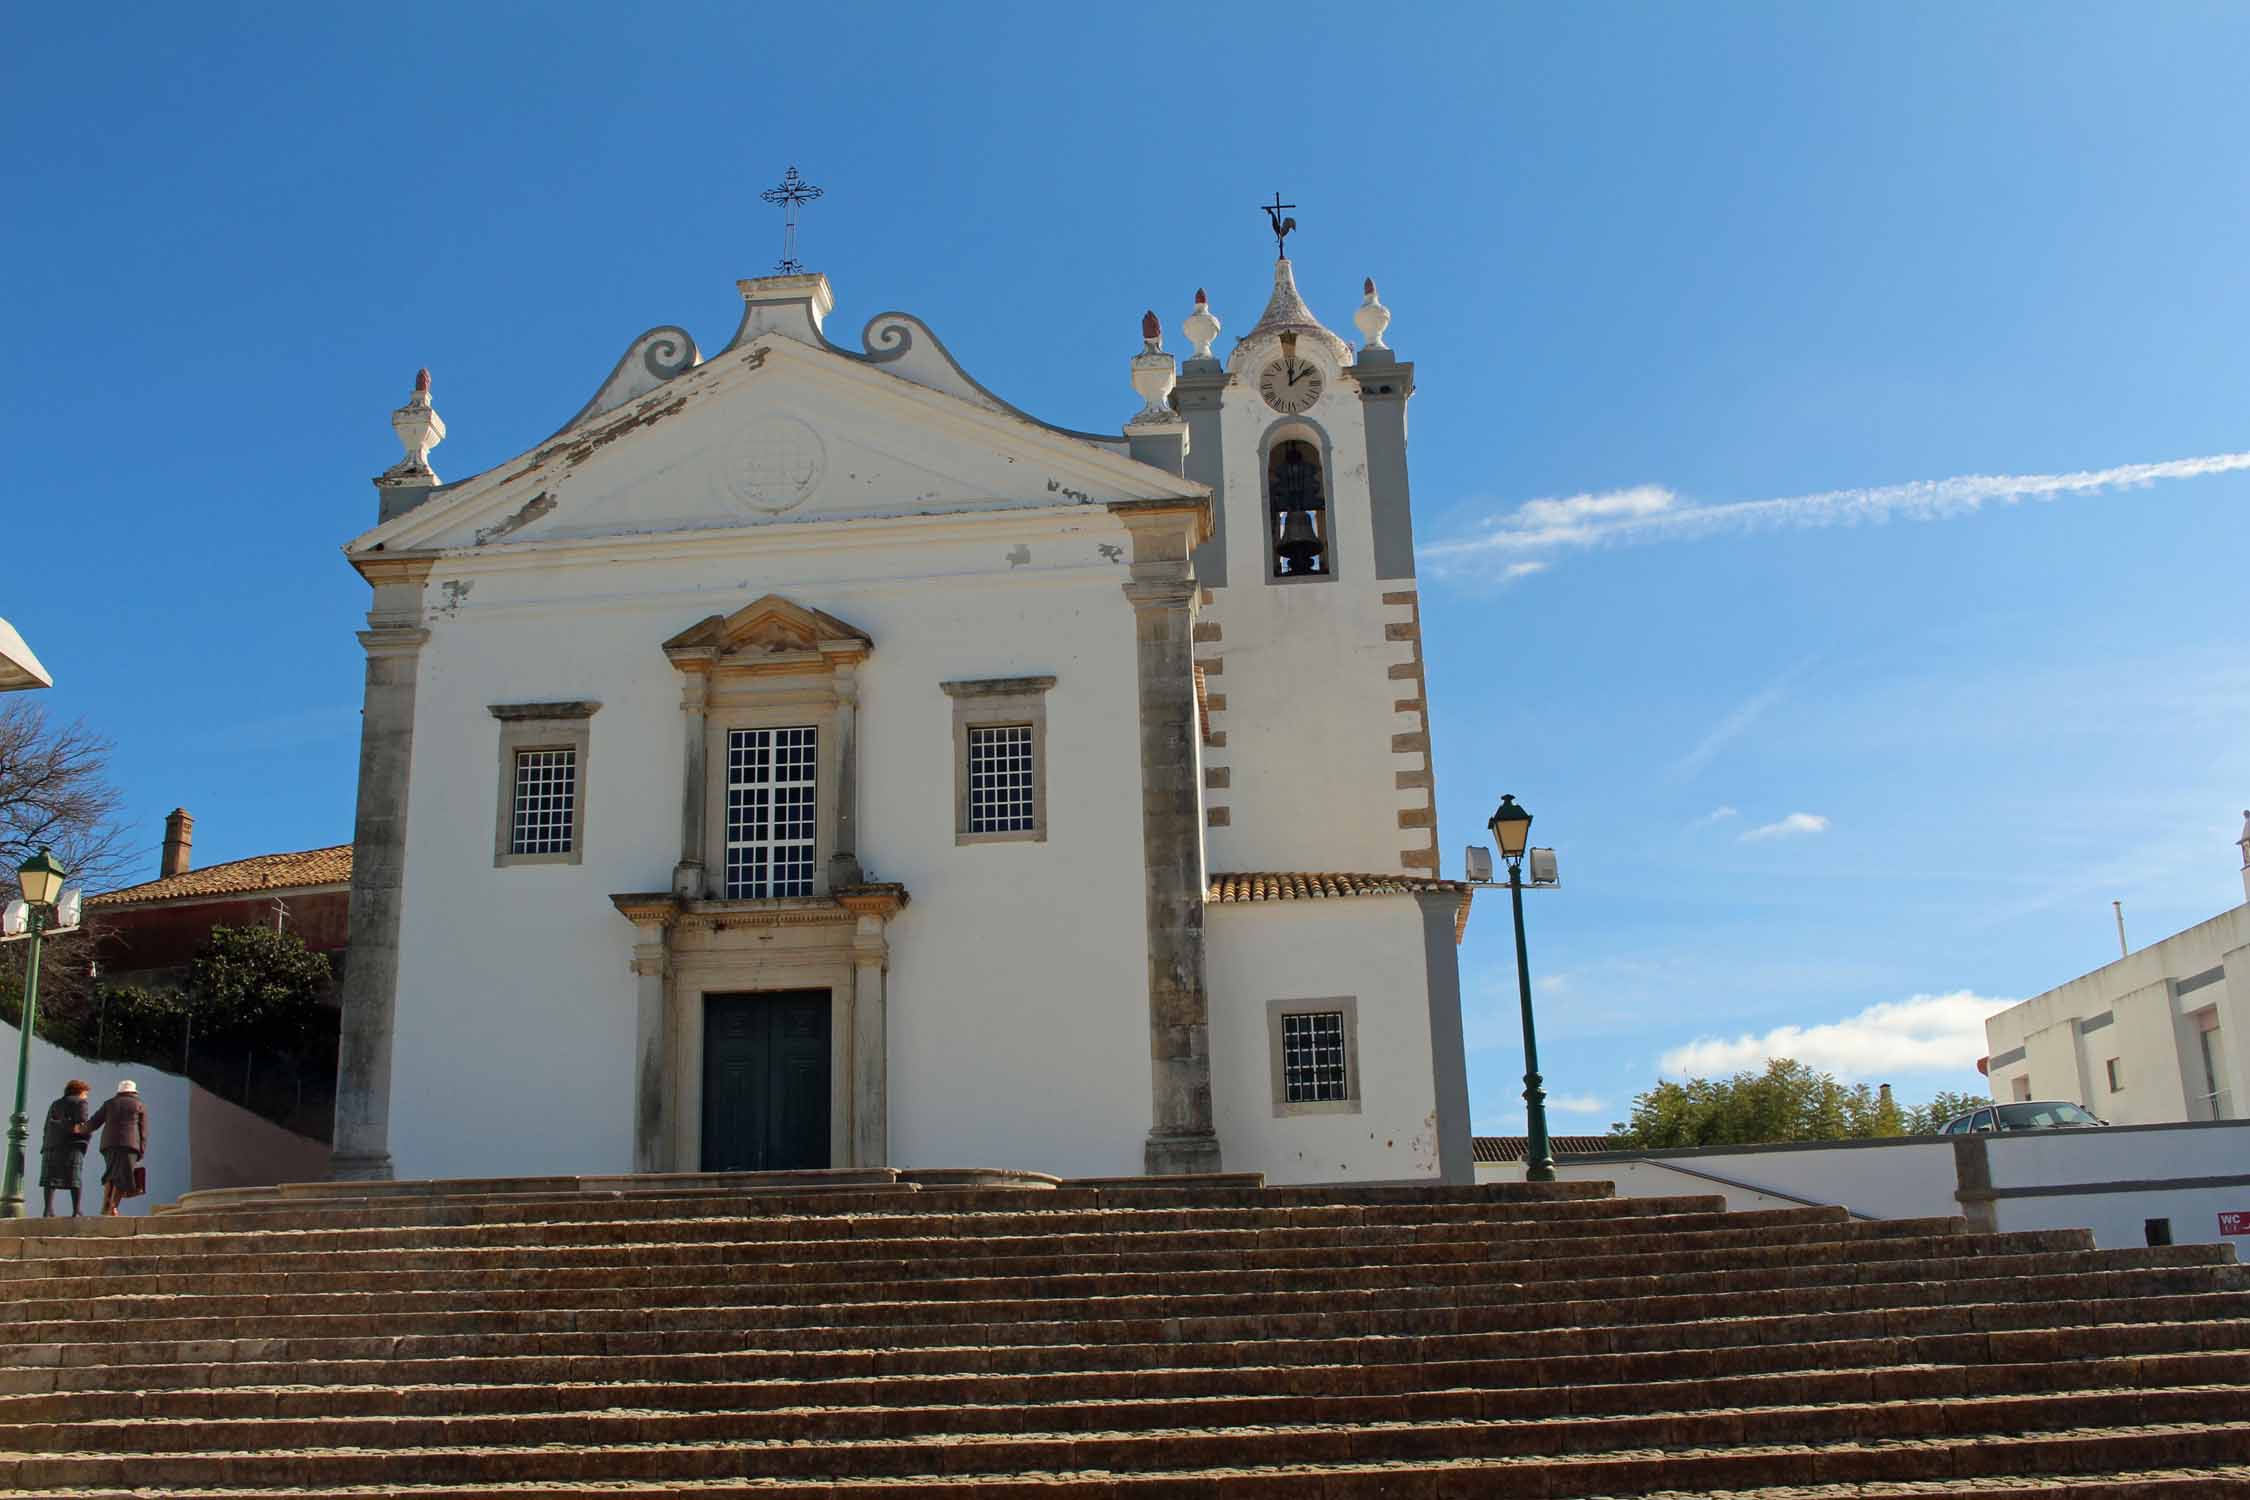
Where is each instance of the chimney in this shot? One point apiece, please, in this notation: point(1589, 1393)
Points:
point(1883, 1097)
point(179, 839)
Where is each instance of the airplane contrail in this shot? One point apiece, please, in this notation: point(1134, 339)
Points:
point(1648, 513)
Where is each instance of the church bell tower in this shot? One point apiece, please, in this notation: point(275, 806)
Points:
point(1316, 747)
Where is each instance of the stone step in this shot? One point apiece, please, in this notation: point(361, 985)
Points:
point(1367, 1482)
point(1785, 1415)
point(2035, 1273)
point(1095, 1277)
point(1107, 1346)
point(1510, 1459)
point(70, 1256)
point(1666, 1351)
point(943, 1213)
point(1943, 1305)
point(915, 1400)
point(1682, 1238)
point(1140, 1195)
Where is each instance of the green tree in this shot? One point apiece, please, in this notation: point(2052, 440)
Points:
point(257, 986)
point(1788, 1101)
point(1930, 1118)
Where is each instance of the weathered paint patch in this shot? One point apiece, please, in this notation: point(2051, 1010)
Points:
point(455, 590)
point(530, 511)
point(1110, 551)
point(1056, 487)
point(1018, 555)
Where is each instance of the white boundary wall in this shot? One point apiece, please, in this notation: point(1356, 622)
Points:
point(2112, 1181)
point(200, 1139)
point(165, 1094)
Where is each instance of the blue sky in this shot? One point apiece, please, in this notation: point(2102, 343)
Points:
point(1646, 259)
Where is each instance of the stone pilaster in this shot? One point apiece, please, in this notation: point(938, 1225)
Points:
point(688, 878)
point(874, 906)
point(655, 1045)
point(1163, 590)
point(843, 864)
point(1385, 384)
point(393, 641)
point(1202, 393)
point(1449, 1057)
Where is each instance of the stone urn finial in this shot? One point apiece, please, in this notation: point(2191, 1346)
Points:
point(1201, 326)
point(419, 429)
point(1372, 317)
point(1154, 374)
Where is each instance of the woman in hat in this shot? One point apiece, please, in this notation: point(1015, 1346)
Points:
point(123, 1122)
point(62, 1145)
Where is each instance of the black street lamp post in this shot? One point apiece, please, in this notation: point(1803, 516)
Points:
point(1511, 830)
point(41, 881)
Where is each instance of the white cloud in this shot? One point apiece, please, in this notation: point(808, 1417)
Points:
point(1651, 513)
point(1577, 1104)
point(1717, 814)
point(1926, 1033)
point(1796, 825)
point(1523, 569)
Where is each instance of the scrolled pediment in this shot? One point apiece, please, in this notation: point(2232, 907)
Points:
point(771, 633)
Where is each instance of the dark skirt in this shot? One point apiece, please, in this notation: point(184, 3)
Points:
point(62, 1169)
point(117, 1169)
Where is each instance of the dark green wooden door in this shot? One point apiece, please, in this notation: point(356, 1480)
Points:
point(765, 1081)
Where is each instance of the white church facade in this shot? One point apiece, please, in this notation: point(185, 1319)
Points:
point(805, 758)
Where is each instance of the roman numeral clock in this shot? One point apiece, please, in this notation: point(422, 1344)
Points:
point(1290, 384)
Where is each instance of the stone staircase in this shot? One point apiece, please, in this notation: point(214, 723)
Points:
point(858, 1335)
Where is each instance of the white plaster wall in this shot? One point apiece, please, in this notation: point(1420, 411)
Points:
point(2124, 1156)
point(2120, 1220)
point(1310, 707)
point(1911, 1179)
point(1018, 1010)
point(1368, 947)
point(165, 1095)
point(2045, 1158)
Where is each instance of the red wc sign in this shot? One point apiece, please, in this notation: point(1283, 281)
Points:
point(2234, 1223)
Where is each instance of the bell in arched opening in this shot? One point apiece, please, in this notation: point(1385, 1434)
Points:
point(1297, 503)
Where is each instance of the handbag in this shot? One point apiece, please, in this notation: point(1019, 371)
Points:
point(140, 1182)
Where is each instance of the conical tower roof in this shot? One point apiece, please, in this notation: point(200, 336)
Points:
point(1286, 313)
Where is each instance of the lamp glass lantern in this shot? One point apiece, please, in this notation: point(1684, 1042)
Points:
point(40, 878)
point(1511, 829)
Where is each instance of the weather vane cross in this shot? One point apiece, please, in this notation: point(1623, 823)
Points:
point(792, 193)
point(1281, 226)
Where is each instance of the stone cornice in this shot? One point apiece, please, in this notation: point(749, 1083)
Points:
point(580, 708)
point(885, 899)
point(1389, 382)
point(1152, 515)
point(643, 908)
point(996, 687)
point(380, 568)
point(394, 640)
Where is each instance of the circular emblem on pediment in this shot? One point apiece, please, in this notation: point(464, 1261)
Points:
point(774, 465)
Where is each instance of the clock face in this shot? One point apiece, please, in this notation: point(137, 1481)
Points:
point(1290, 385)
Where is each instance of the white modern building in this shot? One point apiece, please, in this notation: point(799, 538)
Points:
point(806, 758)
point(2161, 1035)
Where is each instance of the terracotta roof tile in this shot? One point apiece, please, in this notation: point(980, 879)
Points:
point(262, 872)
point(1517, 1148)
point(1308, 885)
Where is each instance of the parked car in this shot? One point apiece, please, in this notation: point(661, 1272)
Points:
point(2023, 1114)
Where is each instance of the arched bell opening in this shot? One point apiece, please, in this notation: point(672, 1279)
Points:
point(1297, 510)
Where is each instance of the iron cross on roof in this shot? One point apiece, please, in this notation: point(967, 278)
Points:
point(1281, 226)
point(792, 193)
